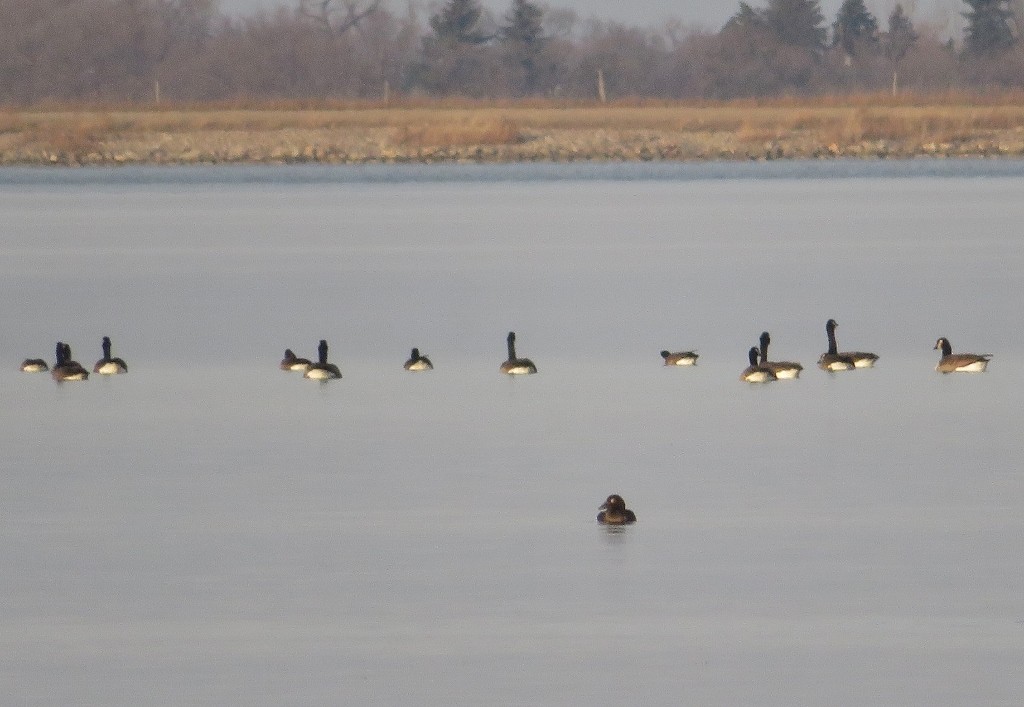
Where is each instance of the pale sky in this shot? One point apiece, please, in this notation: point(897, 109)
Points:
point(944, 15)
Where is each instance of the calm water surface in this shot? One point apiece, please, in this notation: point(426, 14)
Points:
point(210, 530)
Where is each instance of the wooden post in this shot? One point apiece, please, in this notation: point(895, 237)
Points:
point(894, 84)
point(600, 87)
point(156, 90)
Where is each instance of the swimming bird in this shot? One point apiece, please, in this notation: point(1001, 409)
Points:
point(614, 512)
point(291, 362)
point(417, 362)
point(755, 372)
point(516, 366)
point(834, 360)
point(108, 366)
point(65, 369)
point(781, 369)
point(321, 370)
point(679, 358)
point(959, 363)
point(34, 365)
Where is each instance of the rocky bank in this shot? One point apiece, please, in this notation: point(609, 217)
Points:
point(362, 146)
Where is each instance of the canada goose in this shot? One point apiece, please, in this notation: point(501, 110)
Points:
point(782, 369)
point(291, 362)
point(321, 370)
point(959, 363)
point(614, 512)
point(64, 369)
point(417, 362)
point(679, 358)
point(108, 366)
point(516, 366)
point(834, 360)
point(34, 365)
point(755, 372)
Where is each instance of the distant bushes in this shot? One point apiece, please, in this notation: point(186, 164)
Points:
point(168, 51)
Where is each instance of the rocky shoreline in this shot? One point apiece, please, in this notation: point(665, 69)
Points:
point(369, 145)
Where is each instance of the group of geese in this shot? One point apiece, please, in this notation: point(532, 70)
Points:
point(763, 370)
point(760, 370)
point(65, 368)
point(322, 370)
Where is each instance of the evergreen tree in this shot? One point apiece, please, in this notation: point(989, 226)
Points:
point(458, 23)
point(901, 35)
point(854, 27)
point(455, 60)
point(747, 18)
point(1017, 10)
point(523, 39)
point(988, 28)
point(524, 24)
point(797, 23)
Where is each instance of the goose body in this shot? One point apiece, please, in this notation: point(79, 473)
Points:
point(861, 359)
point(417, 362)
point(959, 363)
point(291, 362)
point(64, 368)
point(755, 372)
point(614, 512)
point(783, 370)
point(322, 370)
point(679, 358)
point(835, 360)
point(516, 366)
point(108, 365)
point(34, 365)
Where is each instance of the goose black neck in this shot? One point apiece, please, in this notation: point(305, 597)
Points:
point(765, 340)
point(415, 354)
point(753, 355)
point(511, 346)
point(60, 353)
point(322, 351)
point(830, 329)
point(106, 347)
point(947, 348)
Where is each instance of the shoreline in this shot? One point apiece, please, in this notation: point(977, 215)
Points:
point(436, 135)
point(192, 150)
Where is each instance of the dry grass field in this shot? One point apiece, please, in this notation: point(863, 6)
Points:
point(862, 126)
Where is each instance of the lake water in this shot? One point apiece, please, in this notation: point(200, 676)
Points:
point(208, 529)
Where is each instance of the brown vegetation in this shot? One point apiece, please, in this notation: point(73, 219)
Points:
point(507, 131)
point(153, 51)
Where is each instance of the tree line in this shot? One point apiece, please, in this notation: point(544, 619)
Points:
point(139, 51)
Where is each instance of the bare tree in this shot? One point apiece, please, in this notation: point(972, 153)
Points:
point(338, 17)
